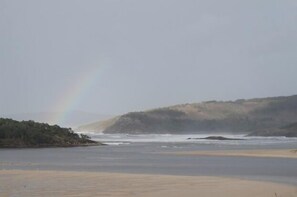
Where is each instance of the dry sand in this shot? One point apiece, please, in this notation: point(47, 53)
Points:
point(281, 153)
point(18, 183)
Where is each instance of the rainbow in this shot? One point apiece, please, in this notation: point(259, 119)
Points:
point(74, 95)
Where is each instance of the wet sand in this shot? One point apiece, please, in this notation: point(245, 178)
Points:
point(88, 184)
point(275, 153)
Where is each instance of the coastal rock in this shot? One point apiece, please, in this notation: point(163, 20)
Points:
point(215, 138)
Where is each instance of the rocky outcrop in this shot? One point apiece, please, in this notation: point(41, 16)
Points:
point(215, 138)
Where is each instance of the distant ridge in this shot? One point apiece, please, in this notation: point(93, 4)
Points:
point(73, 119)
point(97, 126)
point(240, 116)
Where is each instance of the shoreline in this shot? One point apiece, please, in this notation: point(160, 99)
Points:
point(86, 184)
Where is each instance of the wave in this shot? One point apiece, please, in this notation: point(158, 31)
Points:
point(116, 143)
point(120, 139)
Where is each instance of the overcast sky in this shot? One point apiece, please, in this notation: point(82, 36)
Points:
point(115, 56)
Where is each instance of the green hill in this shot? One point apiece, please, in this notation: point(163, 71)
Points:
point(240, 116)
point(15, 134)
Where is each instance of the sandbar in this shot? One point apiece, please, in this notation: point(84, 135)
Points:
point(275, 153)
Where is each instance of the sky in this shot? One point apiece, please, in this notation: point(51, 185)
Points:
point(116, 56)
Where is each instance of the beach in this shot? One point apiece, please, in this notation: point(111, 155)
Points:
point(89, 184)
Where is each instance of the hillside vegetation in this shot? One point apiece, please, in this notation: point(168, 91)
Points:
point(32, 134)
point(240, 116)
point(288, 131)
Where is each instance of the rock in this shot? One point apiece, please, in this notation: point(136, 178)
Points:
point(215, 138)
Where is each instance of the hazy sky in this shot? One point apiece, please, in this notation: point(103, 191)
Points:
point(115, 56)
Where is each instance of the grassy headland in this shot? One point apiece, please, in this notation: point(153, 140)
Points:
point(260, 116)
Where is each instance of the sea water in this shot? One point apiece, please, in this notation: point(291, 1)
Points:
point(125, 139)
point(148, 154)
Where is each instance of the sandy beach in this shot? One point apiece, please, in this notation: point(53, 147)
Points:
point(19, 183)
point(277, 153)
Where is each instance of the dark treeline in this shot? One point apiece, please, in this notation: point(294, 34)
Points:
point(32, 134)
